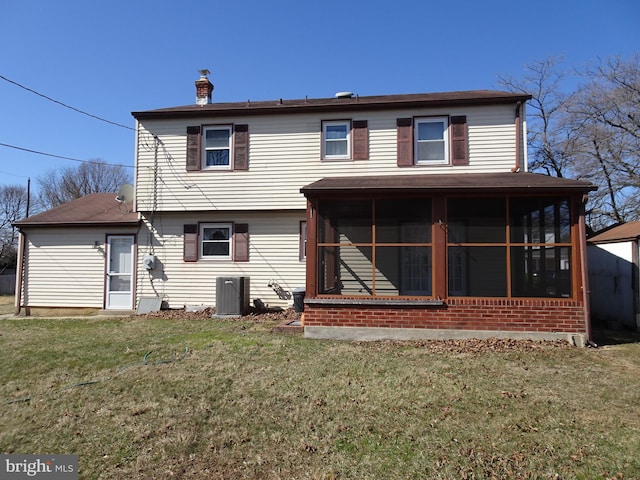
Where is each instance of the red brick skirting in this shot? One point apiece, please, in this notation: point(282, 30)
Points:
point(516, 315)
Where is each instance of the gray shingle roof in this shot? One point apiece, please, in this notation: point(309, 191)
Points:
point(306, 105)
point(460, 183)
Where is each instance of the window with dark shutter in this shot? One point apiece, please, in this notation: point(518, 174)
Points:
point(193, 149)
point(405, 142)
point(190, 248)
point(241, 242)
point(360, 136)
point(459, 142)
point(241, 147)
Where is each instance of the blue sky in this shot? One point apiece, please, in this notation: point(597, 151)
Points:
point(113, 57)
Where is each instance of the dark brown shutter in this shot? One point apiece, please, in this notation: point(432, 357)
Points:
point(190, 250)
point(193, 149)
point(241, 147)
point(459, 147)
point(241, 242)
point(360, 137)
point(405, 142)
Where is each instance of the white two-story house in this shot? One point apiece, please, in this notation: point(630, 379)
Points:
point(402, 216)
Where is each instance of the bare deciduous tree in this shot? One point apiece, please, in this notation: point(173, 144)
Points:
point(593, 133)
point(547, 146)
point(604, 115)
point(13, 202)
point(58, 187)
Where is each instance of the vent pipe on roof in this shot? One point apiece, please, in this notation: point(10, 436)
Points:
point(204, 88)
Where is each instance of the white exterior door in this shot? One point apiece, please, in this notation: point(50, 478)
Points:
point(119, 272)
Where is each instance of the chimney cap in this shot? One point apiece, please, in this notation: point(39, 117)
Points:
point(203, 73)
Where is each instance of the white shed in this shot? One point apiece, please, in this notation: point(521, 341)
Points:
point(81, 254)
point(614, 276)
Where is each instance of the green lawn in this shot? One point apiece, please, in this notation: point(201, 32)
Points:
point(7, 304)
point(140, 398)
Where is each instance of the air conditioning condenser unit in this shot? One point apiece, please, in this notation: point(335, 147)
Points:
point(232, 295)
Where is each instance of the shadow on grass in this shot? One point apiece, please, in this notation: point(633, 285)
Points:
point(603, 336)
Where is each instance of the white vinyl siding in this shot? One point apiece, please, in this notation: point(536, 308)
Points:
point(273, 257)
point(63, 269)
point(285, 153)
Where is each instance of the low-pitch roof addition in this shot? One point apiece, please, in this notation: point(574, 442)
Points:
point(620, 233)
point(94, 209)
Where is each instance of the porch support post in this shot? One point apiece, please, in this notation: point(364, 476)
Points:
point(20, 271)
point(582, 246)
point(312, 250)
point(439, 241)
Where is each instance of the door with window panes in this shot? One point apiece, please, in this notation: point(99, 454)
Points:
point(119, 272)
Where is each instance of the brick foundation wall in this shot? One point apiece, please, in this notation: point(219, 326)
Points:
point(516, 315)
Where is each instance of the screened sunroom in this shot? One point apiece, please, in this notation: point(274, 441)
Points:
point(433, 240)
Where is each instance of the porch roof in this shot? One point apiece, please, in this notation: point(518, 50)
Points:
point(459, 183)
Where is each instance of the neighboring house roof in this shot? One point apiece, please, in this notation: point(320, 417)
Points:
point(381, 102)
point(469, 182)
point(92, 210)
point(619, 233)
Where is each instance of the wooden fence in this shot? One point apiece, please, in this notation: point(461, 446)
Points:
point(8, 284)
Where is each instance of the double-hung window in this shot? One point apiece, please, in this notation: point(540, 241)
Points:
point(217, 147)
point(431, 140)
point(336, 140)
point(216, 241)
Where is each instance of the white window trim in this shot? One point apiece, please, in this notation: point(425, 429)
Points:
point(205, 128)
point(202, 241)
point(447, 156)
point(326, 124)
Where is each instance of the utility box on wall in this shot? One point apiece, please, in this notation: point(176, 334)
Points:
point(232, 295)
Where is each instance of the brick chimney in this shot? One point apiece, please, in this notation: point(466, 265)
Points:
point(204, 88)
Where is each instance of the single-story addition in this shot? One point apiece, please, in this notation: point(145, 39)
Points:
point(81, 254)
point(614, 276)
point(455, 256)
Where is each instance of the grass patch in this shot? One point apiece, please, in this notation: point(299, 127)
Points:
point(7, 304)
point(157, 398)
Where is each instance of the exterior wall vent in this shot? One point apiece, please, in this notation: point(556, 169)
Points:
point(232, 295)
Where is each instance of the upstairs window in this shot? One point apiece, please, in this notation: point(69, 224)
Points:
point(336, 140)
point(217, 147)
point(431, 140)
